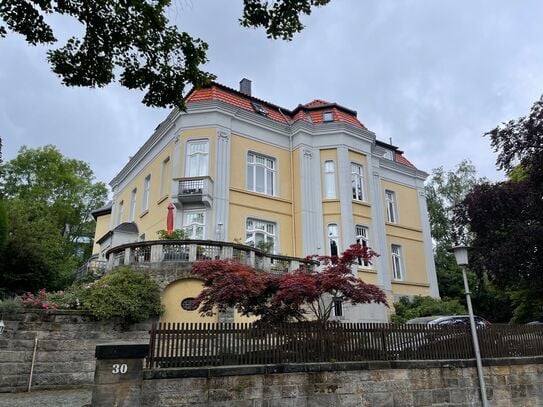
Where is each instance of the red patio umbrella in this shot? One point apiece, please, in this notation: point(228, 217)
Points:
point(169, 219)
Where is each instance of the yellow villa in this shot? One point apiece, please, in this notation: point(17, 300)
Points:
point(241, 171)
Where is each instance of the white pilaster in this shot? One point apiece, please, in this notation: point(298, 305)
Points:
point(427, 239)
point(345, 198)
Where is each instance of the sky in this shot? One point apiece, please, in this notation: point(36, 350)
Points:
point(430, 76)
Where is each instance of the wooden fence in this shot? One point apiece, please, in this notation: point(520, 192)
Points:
point(203, 344)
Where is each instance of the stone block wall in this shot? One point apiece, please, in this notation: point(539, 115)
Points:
point(65, 348)
point(394, 384)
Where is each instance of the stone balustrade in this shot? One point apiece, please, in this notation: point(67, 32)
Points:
point(188, 251)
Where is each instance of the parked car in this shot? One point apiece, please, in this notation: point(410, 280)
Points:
point(449, 320)
point(425, 336)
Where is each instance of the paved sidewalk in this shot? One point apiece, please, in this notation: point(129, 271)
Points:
point(48, 398)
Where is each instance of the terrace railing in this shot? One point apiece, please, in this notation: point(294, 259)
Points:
point(187, 251)
point(202, 344)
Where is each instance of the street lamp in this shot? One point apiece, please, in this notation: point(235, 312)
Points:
point(461, 256)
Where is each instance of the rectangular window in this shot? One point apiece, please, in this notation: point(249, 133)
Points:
point(261, 174)
point(328, 116)
point(197, 158)
point(146, 193)
point(338, 307)
point(397, 266)
point(261, 234)
point(329, 180)
point(164, 176)
point(132, 205)
point(120, 213)
point(194, 224)
point(357, 181)
point(362, 238)
point(390, 200)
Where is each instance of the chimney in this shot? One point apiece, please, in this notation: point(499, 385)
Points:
point(245, 86)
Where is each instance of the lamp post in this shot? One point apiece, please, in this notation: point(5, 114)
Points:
point(461, 255)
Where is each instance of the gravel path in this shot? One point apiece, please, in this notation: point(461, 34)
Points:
point(48, 398)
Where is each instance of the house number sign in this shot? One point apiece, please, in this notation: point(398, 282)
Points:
point(119, 368)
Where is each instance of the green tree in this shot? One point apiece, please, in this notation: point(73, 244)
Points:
point(3, 225)
point(445, 190)
point(135, 40)
point(506, 218)
point(48, 198)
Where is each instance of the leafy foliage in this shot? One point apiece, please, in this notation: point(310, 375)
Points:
point(291, 296)
point(9, 307)
point(124, 293)
point(3, 225)
point(48, 199)
point(506, 218)
point(135, 41)
point(420, 306)
point(39, 301)
point(177, 234)
point(281, 19)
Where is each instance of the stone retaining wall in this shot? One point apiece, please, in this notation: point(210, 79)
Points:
point(65, 348)
point(510, 382)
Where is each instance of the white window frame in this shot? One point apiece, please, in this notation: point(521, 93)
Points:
point(329, 175)
point(200, 157)
point(146, 193)
point(362, 236)
point(163, 175)
point(120, 212)
point(269, 166)
point(194, 225)
point(396, 257)
point(391, 206)
point(332, 236)
point(357, 182)
point(328, 116)
point(255, 226)
point(133, 198)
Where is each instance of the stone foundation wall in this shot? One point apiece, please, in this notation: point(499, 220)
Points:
point(511, 382)
point(65, 348)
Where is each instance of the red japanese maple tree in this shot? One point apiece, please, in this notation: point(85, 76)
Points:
point(306, 293)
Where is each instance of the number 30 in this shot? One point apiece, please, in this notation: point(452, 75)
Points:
point(122, 369)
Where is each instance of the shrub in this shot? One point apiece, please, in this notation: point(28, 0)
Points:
point(9, 306)
point(39, 301)
point(420, 306)
point(124, 293)
point(177, 234)
point(72, 297)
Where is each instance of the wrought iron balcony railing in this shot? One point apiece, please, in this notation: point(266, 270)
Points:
point(196, 189)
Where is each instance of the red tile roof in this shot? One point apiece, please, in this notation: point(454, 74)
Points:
point(310, 112)
point(399, 158)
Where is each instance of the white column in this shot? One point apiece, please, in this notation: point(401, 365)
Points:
point(311, 203)
point(345, 198)
point(379, 239)
point(427, 238)
point(221, 187)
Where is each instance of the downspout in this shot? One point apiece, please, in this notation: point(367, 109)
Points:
point(293, 220)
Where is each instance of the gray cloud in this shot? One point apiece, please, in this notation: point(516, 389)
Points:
point(431, 75)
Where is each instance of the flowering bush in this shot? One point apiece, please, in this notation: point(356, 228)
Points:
point(38, 301)
point(72, 297)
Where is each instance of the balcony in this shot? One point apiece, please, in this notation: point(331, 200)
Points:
point(163, 252)
point(196, 189)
